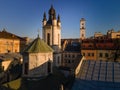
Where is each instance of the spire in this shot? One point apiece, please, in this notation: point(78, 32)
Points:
point(58, 18)
point(44, 17)
point(51, 6)
point(52, 14)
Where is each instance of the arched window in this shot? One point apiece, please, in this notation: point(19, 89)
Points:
point(48, 38)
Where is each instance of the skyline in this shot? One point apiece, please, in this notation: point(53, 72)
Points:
point(24, 17)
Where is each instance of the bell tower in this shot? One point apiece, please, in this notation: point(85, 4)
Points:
point(82, 29)
point(51, 30)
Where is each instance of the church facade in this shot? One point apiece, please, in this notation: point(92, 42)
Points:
point(51, 33)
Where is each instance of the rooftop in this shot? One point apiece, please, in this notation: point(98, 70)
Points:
point(97, 75)
point(10, 56)
point(38, 46)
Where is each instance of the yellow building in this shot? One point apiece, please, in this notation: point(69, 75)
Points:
point(89, 54)
point(98, 49)
point(12, 43)
point(112, 34)
point(9, 42)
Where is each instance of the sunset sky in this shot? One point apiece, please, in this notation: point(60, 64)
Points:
point(24, 17)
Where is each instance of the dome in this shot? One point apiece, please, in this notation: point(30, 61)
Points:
point(38, 46)
point(51, 11)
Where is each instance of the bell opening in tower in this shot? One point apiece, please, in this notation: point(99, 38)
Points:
point(48, 38)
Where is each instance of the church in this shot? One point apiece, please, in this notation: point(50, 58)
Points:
point(51, 29)
point(42, 54)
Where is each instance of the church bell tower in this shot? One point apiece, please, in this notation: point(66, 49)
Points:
point(51, 29)
point(82, 29)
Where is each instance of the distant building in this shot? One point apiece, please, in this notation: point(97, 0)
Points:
point(37, 59)
point(98, 49)
point(11, 43)
point(52, 34)
point(110, 34)
point(82, 29)
point(99, 35)
point(71, 53)
point(7, 59)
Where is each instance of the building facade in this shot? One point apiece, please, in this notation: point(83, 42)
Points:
point(98, 49)
point(12, 43)
point(112, 34)
point(51, 29)
point(71, 54)
point(9, 42)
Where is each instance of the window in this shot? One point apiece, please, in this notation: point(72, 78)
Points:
point(106, 55)
point(82, 27)
point(83, 54)
point(100, 54)
point(65, 55)
point(82, 35)
point(48, 38)
point(89, 45)
point(72, 61)
point(88, 54)
point(73, 56)
point(69, 55)
point(93, 54)
point(68, 61)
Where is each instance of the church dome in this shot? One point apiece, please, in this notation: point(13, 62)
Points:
point(51, 11)
point(38, 46)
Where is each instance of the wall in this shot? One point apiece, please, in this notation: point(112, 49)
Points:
point(11, 45)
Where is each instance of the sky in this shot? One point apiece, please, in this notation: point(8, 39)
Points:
point(24, 17)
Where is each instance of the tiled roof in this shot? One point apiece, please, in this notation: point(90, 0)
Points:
point(97, 75)
point(38, 46)
point(7, 35)
point(71, 45)
point(99, 44)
